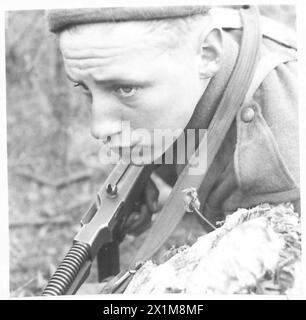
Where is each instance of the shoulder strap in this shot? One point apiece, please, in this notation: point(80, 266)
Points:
point(233, 97)
point(265, 66)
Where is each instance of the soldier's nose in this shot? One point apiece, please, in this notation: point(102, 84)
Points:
point(105, 129)
point(105, 116)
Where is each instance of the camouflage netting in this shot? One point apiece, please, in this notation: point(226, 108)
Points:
point(255, 251)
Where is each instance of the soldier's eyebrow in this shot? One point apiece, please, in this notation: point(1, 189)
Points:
point(123, 81)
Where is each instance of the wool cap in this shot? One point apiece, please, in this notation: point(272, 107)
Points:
point(61, 19)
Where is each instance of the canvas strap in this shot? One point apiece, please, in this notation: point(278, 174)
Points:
point(233, 97)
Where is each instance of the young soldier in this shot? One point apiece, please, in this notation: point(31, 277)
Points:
point(167, 68)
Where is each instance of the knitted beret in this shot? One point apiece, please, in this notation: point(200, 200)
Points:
point(60, 19)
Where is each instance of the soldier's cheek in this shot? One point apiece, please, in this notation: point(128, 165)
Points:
point(140, 117)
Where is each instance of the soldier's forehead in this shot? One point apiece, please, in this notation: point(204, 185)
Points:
point(115, 35)
point(130, 29)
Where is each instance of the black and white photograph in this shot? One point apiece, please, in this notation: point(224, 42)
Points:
point(153, 149)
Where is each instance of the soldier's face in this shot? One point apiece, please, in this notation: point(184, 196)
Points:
point(128, 73)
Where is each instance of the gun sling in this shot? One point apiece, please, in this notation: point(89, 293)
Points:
point(232, 99)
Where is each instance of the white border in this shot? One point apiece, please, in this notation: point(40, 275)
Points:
point(4, 232)
point(48, 4)
point(301, 29)
point(31, 5)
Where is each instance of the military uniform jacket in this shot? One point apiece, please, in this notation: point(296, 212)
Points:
point(259, 160)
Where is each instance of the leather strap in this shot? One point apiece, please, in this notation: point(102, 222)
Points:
point(233, 97)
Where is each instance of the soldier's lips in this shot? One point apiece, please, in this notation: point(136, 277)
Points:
point(123, 149)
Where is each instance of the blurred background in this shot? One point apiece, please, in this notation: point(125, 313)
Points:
point(53, 166)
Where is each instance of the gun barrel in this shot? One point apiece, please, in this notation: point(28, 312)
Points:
point(76, 264)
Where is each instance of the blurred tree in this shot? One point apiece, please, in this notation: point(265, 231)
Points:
point(41, 108)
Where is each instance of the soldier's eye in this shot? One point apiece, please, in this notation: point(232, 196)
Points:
point(83, 87)
point(126, 91)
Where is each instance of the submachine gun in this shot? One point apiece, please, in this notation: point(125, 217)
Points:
point(102, 230)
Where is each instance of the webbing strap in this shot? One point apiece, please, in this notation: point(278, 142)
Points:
point(233, 97)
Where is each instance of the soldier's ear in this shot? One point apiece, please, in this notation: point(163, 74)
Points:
point(210, 54)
